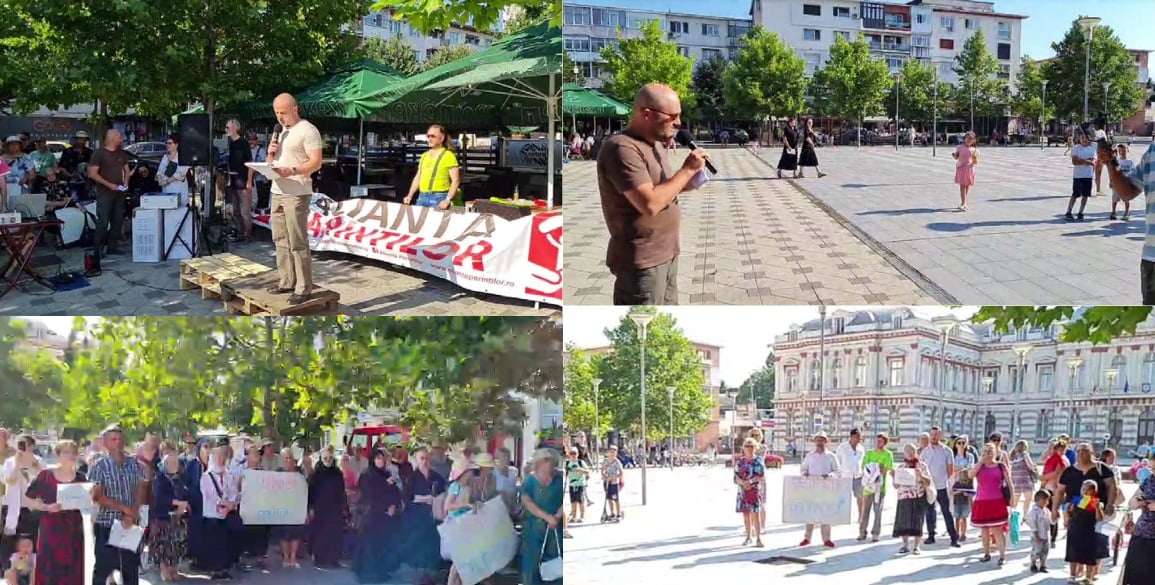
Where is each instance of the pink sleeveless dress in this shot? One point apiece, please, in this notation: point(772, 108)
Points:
point(989, 509)
point(964, 173)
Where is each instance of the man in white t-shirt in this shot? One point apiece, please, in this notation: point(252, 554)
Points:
point(296, 154)
point(850, 454)
point(819, 463)
point(1083, 159)
point(940, 461)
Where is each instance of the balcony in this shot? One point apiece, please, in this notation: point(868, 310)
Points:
point(890, 47)
point(896, 24)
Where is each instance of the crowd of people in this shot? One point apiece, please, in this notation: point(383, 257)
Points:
point(1001, 492)
point(376, 511)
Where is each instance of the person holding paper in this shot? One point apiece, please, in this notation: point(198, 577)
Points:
point(296, 154)
point(61, 560)
point(172, 177)
point(168, 538)
point(109, 170)
point(290, 535)
point(912, 479)
point(877, 465)
point(819, 463)
point(380, 529)
point(119, 492)
point(218, 490)
point(850, 455)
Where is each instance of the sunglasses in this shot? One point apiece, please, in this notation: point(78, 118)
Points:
point(169, 142)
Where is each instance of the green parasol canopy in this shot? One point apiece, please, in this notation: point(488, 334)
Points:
point(583, 101)
point(335, 95)
point(509, 83)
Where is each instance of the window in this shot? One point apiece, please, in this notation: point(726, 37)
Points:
point(705, 354)
point(1146, 427)
point(947, 23)
point(1043, 423)
point(577, 44)
point(897, 321)
point(576, 16)
point(711, 30)
point(1046, 380)
point(860, 372)
point(792, 336)
point(836, 373)
point(947, 44)
point(1004, 31)
point(811, 10)
point(815, 374)
point(711, 54)
point(894, 63)
point(921, 41)
point(1004, 71)
point(679, 28)
point(1004, 51)
point(609, 18)
point(1149, 369)
point(991, 381)
point(684, 51)
point(1118, 369)
point(972, 24)
point(811, 34)
point(895, 371)
point(920, 18)
point(597, 44)
point(1074, 375)
point(944, 70)
point(839, 325)
point(473, 40)
point(792, 378)
point(813, 62)
point(841, 12)
point(454, 37)
point(841, 34)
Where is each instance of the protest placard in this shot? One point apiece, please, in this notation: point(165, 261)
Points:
point(75, 496)
point(271, 498)
point(480, 544)
point(816, 500)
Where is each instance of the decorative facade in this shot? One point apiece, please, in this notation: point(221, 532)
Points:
point(887, 370)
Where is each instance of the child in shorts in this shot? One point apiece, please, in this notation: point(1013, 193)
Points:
point(1039, 520)
point(1125, 165)
point(576, 478)
point(612, 478)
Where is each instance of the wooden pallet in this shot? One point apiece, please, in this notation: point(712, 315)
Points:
point(209, 272)
point(247, 296)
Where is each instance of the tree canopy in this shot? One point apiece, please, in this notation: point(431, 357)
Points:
point(431, 15)
point(1110, 62)
point(648, 58)
point(1094, 324)
point(287, 378)
point(854, 82)
point(759, 386)
point(768, 79)
point(708, 88)
point(916, 89)
point(1028, 99)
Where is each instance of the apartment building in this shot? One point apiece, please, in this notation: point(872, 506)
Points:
point(588, 29)
point(380, 25)
point(1143, 121)
point(932, 31)
point(895, 371)
point(716, 430)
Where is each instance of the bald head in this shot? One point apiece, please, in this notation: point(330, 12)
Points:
point(657, 112)
point(113, 139)
point(285, 108)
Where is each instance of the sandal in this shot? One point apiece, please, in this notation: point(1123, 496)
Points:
point(759, 544)
point(903, 550)
point(985, 559)
point(1002, 561)
point(746, 542)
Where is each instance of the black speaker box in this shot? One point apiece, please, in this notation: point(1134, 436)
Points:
point(195, 140)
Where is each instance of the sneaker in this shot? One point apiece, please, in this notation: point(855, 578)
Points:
point(903, 550)
point(916, 551)
point(1069, 217)
point(1079, 217)
point(955, 544)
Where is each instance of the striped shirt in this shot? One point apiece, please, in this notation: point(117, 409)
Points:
point(119, 483)
point(1143, 177)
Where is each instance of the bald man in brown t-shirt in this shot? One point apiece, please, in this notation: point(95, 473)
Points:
point(639, 196)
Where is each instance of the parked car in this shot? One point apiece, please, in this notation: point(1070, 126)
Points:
point(147, 150)
point(57, 148)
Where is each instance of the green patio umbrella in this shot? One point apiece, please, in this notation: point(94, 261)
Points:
point(515, 81)
point(583, 101)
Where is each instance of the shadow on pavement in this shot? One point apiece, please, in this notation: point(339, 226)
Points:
point(962, 227)
point(914, 211)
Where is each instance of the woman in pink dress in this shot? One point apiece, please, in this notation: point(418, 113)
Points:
point(967, 156)
point(991, 508)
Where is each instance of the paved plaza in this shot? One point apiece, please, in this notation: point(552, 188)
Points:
point(366, 287)
point(891, 215)
point(747, 239)
point(689, 533)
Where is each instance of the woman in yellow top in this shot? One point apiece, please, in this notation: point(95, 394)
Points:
point(438, 173)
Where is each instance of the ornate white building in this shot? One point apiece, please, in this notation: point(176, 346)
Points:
point(884, 371)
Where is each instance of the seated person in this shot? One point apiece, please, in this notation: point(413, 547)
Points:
point(55, 188)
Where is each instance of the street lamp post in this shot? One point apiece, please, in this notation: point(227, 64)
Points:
point(597, 424)
point(1022, 351)
point(642, 320)
point(1106, 116)
point(897, 89)
point(1075, 364)
point(1043, 118)
point(945, 328)
point(1088, 24)
point(670, 391)
point(934, 128)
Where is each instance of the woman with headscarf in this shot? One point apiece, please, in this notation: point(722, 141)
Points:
point(219, 495)
point(542, 497)
point(327, 507)
point(789, 159)
point(194, 469)
point(168, 541)
point(424, 542)
point(376, 558)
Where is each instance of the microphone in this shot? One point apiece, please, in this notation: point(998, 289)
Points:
point(686, 139)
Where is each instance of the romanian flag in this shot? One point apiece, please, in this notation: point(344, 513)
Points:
point(1088, 503)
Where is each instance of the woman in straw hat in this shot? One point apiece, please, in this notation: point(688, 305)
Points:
point(485, 486)
point(459, 501)
point(543, 499)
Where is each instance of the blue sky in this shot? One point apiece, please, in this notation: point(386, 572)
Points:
point(1132, 20)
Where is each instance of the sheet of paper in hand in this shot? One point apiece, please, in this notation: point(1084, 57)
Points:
point(904, 477)
point(480, 544)
point(125, 539)
point(75, 496)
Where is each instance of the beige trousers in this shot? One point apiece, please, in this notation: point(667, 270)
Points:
point(290, 218)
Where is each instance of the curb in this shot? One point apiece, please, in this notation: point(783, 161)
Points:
point(893, 259)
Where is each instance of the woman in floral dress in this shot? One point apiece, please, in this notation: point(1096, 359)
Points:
point(167, 519)
point(60, 560)
point(749, 474)
point(911, 512)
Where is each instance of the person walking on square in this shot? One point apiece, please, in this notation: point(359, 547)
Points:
point(850, 455)
point(940, 462)
point(789, 159)
point(1125, 166)
point(991, 510)
point(296, 155)
point(1039, 521)
point(913, 484)
point(966, 157)
point(819, 463)
point(1083, 159)
point(962, 485)
point(809, 157)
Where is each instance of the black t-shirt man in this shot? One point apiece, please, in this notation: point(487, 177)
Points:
point(73, 157)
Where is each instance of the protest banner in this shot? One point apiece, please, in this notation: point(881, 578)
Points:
point(480, 544)
point(518, 258)
point(816, 500)
point(270, 498)
point(75, 496)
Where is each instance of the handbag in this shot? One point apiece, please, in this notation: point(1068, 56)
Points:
point(551, 570)
point(1005, 486)
point(233, 519)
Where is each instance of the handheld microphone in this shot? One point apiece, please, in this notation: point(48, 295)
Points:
point(686, 139)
